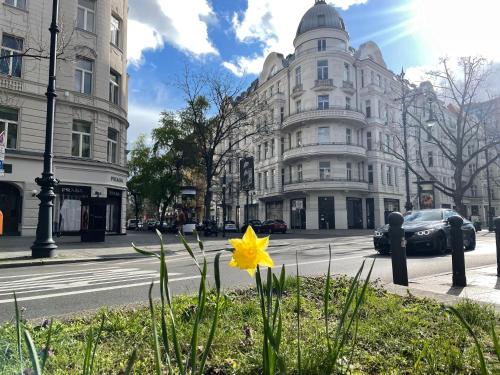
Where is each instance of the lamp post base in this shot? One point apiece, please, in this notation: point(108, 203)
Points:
point(43, 249)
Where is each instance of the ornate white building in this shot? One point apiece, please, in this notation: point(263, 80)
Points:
point(334, 120)
point(90, 131)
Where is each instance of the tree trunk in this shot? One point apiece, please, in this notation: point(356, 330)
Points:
point(207, 203)
point(458, 200)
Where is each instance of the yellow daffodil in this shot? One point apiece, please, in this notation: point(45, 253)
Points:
point(250, 251)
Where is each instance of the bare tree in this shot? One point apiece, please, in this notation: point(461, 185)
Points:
point(459, 130)
point(219, 119)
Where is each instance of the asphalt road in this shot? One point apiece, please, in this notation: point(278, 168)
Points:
point(55, 290)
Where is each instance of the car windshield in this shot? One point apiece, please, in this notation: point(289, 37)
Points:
point(424, 216)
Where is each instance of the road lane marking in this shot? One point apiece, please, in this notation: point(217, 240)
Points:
point(57, 273)
point(319, 261)
point(85, 291)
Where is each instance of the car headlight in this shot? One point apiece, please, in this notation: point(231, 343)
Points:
point(378, 234)
point(425, 232)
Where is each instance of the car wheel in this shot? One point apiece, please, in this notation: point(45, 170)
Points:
point(440, 244)
point(471, 244)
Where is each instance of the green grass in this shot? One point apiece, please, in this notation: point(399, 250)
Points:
point(395, 335)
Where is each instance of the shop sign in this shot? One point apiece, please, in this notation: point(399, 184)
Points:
point(73, 190)
point(117, 179)
point(114, 193)
point(246, 174)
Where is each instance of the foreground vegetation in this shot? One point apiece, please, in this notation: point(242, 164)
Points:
point(395, 335)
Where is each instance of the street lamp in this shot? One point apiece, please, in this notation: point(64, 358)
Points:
point(431, 121)
point(408, 204)
point(223, 182)
point(44, 244)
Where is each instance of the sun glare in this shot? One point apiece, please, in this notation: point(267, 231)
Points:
point(457, 27)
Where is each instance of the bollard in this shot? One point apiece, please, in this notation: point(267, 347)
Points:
point(457, 251)
point(497, 235)
point(398, 249)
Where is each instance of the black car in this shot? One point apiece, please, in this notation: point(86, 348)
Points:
point(209, 228)
point(426, 230)
point(255, 224)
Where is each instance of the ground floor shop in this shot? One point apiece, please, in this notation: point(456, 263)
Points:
point(77, 181)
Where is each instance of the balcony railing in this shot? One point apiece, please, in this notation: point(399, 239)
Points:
point(323, 83)
point(11, 83)
point(325, 179)
point(324, 148)
point(326, 183)
point(338, 112)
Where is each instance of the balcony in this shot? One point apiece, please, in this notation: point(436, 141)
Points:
point(297, 90)
point(7, 82)
point(315, 150)
point(348, 116)
point(332, 183)
point(323, 84)
point(348, 87)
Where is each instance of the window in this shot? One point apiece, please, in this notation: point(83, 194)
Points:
point(321, 20)
point(396, 176)
point(289, 141)
point(370, 174)
point(272, 148)
point(347, 72)
point(324, 135)
point(349, 171)
point(266, 150)
point(322, 69)
point(379, 109)
point(347, 102)
point(86, 15)
point(266, 177)
point(387, 143)
point(417, 157)
point(298, 106)
point(389, 175)
point(230, 166)
point(369, 141)
point(21, 4)
point(299, 173)
point(382, 174)
point(362, 78)
point(115, 31)
point(278, 87)
point(282, 141)
point(272, 115)
point(290, 175)
point(271, 91)
point(80, 139)
point(298, 76)
point(323, 101)
point(114, 87)
point(298, 138)
point(113, 144)
point(321, 45)
point(282, 176)
point(379, 79)
point(348, 136)
point(372, 77)
point(368, 107)
point(380, 141)
point(324, 170)
point(429, 136)
point(259, 181)
point(83, 76)
point(259, 151)
point(9, 64)
point(273, 173)
point(430, 159)
point(282, 114)
point(8, 124)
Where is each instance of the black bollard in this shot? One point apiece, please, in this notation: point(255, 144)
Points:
point(457, 251)
point(497, 235)
point(398, 249)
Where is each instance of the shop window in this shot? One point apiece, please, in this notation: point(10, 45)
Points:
point(9, 125)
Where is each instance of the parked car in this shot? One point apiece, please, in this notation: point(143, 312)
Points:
point(273, 226)
point(230, 226)
point(189, 227)
point(152, 224)
point(255, 225)
point(134, 224)
point(426, 230)
point(165, 227)
point(209, 228)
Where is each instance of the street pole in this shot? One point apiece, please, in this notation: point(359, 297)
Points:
point(224, 205)
point(408, 204)
point(247, 208)
point(488, 190)
point(44, 244)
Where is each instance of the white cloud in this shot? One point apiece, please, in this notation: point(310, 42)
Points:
point(273, 23)
point(142, 120)
point(183, 24)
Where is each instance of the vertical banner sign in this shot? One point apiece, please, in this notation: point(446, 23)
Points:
point(427, 196)
point(3, 141)
point(246, 174)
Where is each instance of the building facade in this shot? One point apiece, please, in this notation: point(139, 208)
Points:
point(329, 159)
point(90, 132)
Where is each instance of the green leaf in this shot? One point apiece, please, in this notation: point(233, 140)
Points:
point(35, 363)
point(88, 352)
point(326, 298)
point(145, 252)
point(99, 333)
point(156, 345)
point(299, 355)
point(47, 346)
point(189, 250)
point(496, 344)
point(130, 362)
point(200, 242)
point(466, 325)
point(18, 334)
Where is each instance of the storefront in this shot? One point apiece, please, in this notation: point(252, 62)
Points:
point(390, 205)
point(298, 213)
point(354, 213)
point(274, 210)
point(114, 211)
point(68, 208)
point(326, 212)
point(11, 207)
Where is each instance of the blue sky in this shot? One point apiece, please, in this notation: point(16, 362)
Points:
point(235, 36)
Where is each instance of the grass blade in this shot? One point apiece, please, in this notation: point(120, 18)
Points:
point(299, 355)
point(18, 334)
point(326, 298)
point(189, 250)
point(130, 362)
point(496, 344)
point(145, 252)
point(466, 325)
point(200, 242)
point(156, 345)
point(99, 333)
point(88, 351)
point(45, 354)
point(35, 363)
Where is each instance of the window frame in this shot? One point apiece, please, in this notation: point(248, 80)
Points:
point(321, 45)
point(348, 167)
point(11, 52)
point(7, 124)
point(15, 4)
point(298, 76)
point(114, 87)
point(80, 139)
point(370, 173)
point(325, 170)
point(115, 37)
point(113, 145)
point(322, 70)
point(300, 176)
point(82, 72)
point(323, 102)
point(324, 139)
point(86, 11)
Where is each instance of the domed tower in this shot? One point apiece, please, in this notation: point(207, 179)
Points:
point(321, 20)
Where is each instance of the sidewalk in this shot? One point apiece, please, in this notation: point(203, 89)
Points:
point(483, 286)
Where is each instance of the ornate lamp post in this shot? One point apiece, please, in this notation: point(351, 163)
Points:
point(44, 244)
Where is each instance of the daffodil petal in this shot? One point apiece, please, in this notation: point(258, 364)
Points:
point(265, 260)
point(236, 242)
point(233, 262)
point(251, 271)
point(249, 236)
point(262, 243)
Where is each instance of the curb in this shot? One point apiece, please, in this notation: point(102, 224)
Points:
point(55, 261)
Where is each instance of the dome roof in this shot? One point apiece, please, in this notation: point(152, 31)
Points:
point(319, 16)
